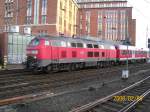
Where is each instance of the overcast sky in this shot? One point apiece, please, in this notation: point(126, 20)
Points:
point(141, 12)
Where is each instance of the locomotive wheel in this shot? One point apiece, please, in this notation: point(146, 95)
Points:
point(35, 71)
point(48, 69)
point(72, 67)
point(98, 66)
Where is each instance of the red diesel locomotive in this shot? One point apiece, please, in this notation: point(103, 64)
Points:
point(48, 53)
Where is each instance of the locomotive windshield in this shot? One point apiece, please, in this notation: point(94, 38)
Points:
point(35, 42)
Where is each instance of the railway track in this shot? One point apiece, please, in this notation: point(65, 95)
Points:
point(24, 86)
point(121, 101)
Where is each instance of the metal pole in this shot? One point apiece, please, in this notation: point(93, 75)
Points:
point(127, 40)
point(127, 57)
point(125, 73)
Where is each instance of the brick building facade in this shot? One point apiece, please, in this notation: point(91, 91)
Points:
point(52, 17)
point(105, 19)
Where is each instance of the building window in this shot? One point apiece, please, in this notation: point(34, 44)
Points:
point(9, 7)
point(87, 23)
point(43, 19)
point(44, 11)
point(44, 7)
point(36, 11)
point(17, 47)
point(29, 12)
point(99, 23)
point(28, 20)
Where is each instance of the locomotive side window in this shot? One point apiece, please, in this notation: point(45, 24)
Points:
point(35, 42)
point(63, 44)
point(73, 45)
point(96, 54)
point(56, 43)
point(59, 43)
point(47, 43)
point(96, 46)
point(103, 54)
point(89, 46)
point(63, 54)
point(79, 45)
point(74, 54)
point(90, 54)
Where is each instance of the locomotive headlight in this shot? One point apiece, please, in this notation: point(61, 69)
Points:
point(34, 57)
point(34, 52)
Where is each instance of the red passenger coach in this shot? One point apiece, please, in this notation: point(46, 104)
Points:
point(131, 53)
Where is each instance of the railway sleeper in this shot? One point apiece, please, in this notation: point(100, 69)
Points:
point(114, 104)
point(108, 108)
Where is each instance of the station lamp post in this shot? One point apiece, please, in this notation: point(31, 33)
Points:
point(125, 73)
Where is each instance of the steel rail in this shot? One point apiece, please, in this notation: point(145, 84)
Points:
point(132, 104)
point(93, 104)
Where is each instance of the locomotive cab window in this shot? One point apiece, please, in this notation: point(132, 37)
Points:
point(35, 42)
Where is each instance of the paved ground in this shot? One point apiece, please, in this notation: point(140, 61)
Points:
point(13, 66)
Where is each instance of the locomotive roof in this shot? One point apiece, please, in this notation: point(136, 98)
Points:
point(124, 47)
point(82, 40)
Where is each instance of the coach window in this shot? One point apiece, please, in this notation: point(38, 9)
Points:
point(96, 46)
point(90, 54)
point(73, 45)
point(89, 46)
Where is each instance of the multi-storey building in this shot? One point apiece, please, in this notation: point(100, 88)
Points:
point(106, 19)
point(40, 16)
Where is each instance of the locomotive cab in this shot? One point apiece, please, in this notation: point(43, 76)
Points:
point(38, 53)
point(32, 53)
